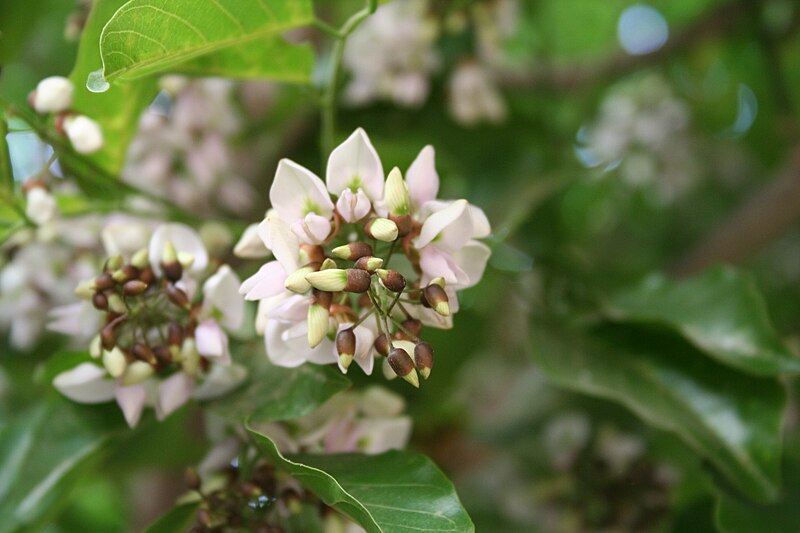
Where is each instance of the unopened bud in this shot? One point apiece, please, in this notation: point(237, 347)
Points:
point(185, 259)
point(137, 372)
point(103, 281)
point(346, 347)
point(174, 334)
point(353, 251)
point(108, 336)
point(343, 313)
point(52, 95)
point(115, 362)
point(435, 298)
point(140, 259)
point(85, 135)
point(438, 281)
point(169, 262)
point(96, 346)
point(85, 289)
point(369, 263)
point(114, 263)
point(177, 296)
point(328, 264)
point(147, 275)
point(392, 280)
point(143, 352)
point(395, 193)
point(40, 205)
point(423, 358)
point(318, 322)
point(404, 224)
point(336, 280)
point(125, 273)
point(164, 356)
point(134, 287)
point(382, 345)
point(115, 304)
point(382, 229)
point(312, 253)
point(296, 281)
point(189, 357)
point(413, 326)
point(403, 366)
point(100, 301)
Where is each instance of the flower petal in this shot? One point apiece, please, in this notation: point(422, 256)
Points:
point(219, 381)
point(353, 206)
point(422, 178)
point(221, 292)
point(472, 258)
point(184, 239)
point(250, 245)
point(481, 228)
point(279, 238)
point(265, 283)
point(173, 392)
point(297, 191)
point(439, 263)
point(355, 164)
point(131, 400)
point(451, 226)
point(312, 229)
point(212, 341)
point(86, 383)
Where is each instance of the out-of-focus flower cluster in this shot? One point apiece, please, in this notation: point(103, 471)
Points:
point(643, 132)
point(393, 56)
point(193, 151)
point(329, 294)
point(53, 95)
point(163, 322)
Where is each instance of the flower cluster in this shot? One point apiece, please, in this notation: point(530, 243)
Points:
point(330, 294)
point(54, 95)
point(160, 336)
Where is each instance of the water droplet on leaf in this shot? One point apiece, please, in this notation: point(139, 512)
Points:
point(96, 83)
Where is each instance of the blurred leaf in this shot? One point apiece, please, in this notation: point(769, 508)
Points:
point(276, 393)
point(147, 36)
point(179, 518)
point(721, 312)
point(735, 515)
point(117, 110)
point(270, 58)
point(731, 419)
point(392, 492)
point(43, 453)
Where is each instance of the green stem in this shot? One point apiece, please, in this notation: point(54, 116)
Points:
point(6, 175)
point(328, 101)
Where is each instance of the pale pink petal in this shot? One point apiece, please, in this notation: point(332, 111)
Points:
point(422, 178)
point(472, 258)
point(173, 392)
point(212, 341)
point(355, 164)
point(267, 282)
point(297, 191)
point(280, 239)
point(131, 400)
point(439, 263)
point(184, 239)
point(80, 319)
point(221, 292)
point(250, 245)
point(353, 206)
point(287, 345)
point(481, 228)
point(312, 229)
point(86, 383)
point(293, 308)
point(451, 227)
point(378, 435)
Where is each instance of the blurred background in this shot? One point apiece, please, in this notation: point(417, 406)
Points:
point(605, 140)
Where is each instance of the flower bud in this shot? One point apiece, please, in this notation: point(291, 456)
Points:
point(40, 205)
point(403, 366)
point(343, 313)
point(114, 263)
point(192, 479)
point(423, 358)
point(382, 229)
point(382, 345)
point(189, 356)
point(353, 251)
point(346, 347)
point(52, 95)
point(100, 301)
point(312, 253)
point(328, 264)
point(85, 289)
point(115, 362)
point(96, 347)
point(174, 334)
point(142, 352)
point(404, 224)
point(134, 287)
point(147, 275)
point(392, 279)
point(84, 133)
point(137, 372)
point(140, 259)
point(127, 272)
point(170, 264)
point(177, 296)
point(395, 193)
point(108, 336)
point(116, 304)
point(185, 259)
point(433, 296)
point(336, 280)
point(413, 326)
point(103, 281)
point(318, 322)
point(296, 281)
point(369, 263)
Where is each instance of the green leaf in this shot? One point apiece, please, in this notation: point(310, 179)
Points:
point(43, 453)
point(275, 393)
point(179, 518)
point(393, 492)
point(117, 110)
point(735, 515)
point(721, 312)
point(147, 36)
point(732, 420)
point(270, 58)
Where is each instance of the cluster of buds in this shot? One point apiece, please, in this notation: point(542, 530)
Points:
point(53, 95)
point(159, 333)
point(331, 280)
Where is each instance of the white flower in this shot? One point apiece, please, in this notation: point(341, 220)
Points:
point(84, 133)
point(221, 298)
point(270, 279)
point(355, 174)
point(185, 240)
point(250, 245)
point(295, 194)
point(41, 205)
point(125, 235)
point(53, 95)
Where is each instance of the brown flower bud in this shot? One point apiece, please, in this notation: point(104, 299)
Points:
point(357, 280)
point(423, 358)
point(177, 296)
point(134, 287)
point(346, 347)
point(322, 298)
point(353, 251)
point(403, 222)
point(174, 334)
point(369, 263)
point(192, 479)
point(103, 281)
point(100, 301)
point(413, 326)
point(343, 313)
point(403, 366)
point(125, 273)
point(433, 296)
point(108, 336)
point(147, 275)
point(143, 353)
point(163, 355)
point(382, 345)
point(173, 270)
point(392, 280)
point(314, 252)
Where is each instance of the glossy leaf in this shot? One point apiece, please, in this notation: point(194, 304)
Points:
point(147, 36)
point(276, 393)
point(730, 419)
point(117, 110)
point(393, 492)
point(721, 312)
